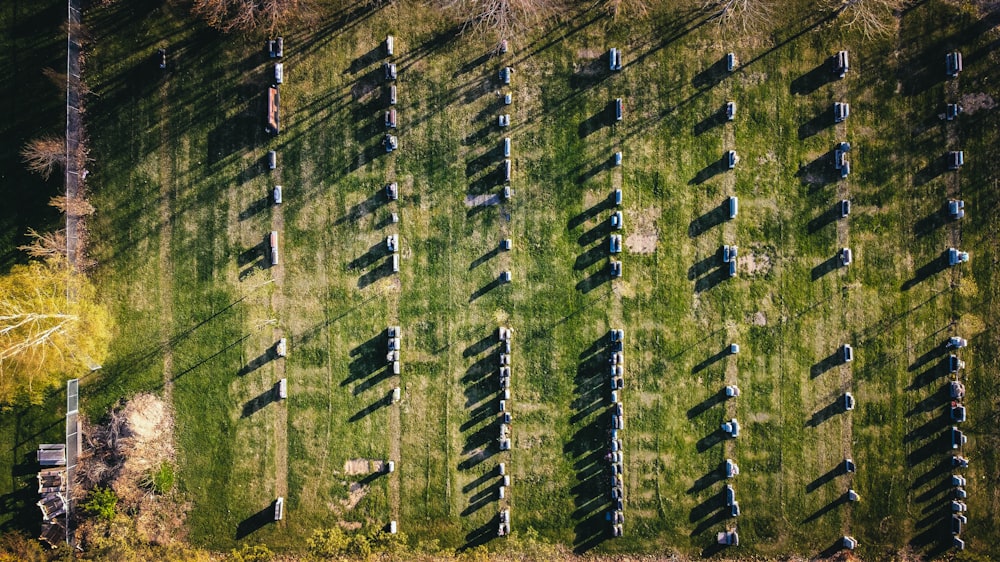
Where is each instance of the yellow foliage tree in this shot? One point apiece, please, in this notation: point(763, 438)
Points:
point(51, 329)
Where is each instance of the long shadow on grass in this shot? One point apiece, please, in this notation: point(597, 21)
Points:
point(704, 265)
point(594, 123)
point(939, 470)
point(710, 440)
point(587, 446)
point(929, 429)
point(707, 404)
point(711, 76)
point(601, 166)
point(255, 522)
point(366, 359)
point(930, 375)
point(826, 509)
point(709, 361)
point(827, 477)
point(706, 481)
point(710, 171)
point(709, 281)
point(709, 220)
point(587, 214)
point(486, 288)
point(596, 279)
point(259, 402)
point(828, 411)
point(716, 119)
point(381, 271)
point(934, 446)
point(936, 265)
point(933, 169)
point(814, 79)
point(929, 403)
point(830, 265)
point(821, 121)
point(257, 362)
point(827, 363)
point(930, 223)
point(370, 409)
point(255, 208)
point(829, 216)
point(819, 172)
point(481, 535)
point(596, 233)
point(366, 207)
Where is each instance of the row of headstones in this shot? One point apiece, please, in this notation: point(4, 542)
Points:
point(957, 439)
point(504, 336)
point(390, 142)
point(617, 452)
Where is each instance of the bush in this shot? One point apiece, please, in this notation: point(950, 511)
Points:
point(101, 502)
point(161, 480)
point(327, 543)
point(255, 553)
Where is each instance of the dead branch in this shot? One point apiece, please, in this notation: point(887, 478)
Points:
point(42, 155)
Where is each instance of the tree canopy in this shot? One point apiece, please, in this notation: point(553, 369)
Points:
point(51, 329)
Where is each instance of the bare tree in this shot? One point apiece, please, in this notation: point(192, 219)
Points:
point(249, 15)
point(745, 15)
point(504, 18)
point(72, 206)
point(44, 154)
point(628, 8)
point(45, 245)
point(872, 17)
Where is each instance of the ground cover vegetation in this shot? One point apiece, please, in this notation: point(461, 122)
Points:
point(182, 190)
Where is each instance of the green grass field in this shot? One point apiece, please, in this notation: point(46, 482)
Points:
point(181, 186)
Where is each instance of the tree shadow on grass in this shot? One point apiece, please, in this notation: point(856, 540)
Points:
point(255, 522)
point(936, 265)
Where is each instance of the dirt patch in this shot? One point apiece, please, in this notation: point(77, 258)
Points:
point(363, 466)
point(755, 263)
point(972, 103)
point(355, 493)
point(588, 53)
point(758, 319)
point(644, 236)
point(349, 525)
